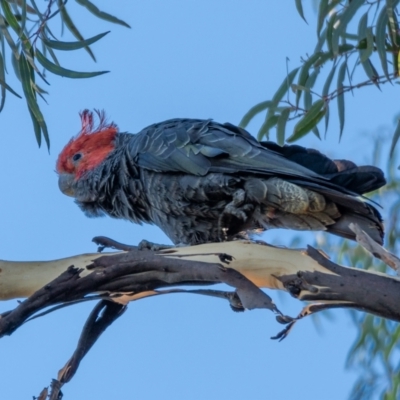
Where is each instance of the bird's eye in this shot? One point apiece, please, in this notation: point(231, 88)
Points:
point(76, 156)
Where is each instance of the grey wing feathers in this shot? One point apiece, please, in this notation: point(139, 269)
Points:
point(202, 146)
point(169, 148)
point(199, 147)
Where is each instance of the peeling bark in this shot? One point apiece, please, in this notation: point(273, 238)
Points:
point(120, 277)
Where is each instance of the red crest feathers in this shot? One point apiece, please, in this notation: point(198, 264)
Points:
point(87, 120)
point(93, 143)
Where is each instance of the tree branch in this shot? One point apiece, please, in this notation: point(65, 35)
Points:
point(121, 277)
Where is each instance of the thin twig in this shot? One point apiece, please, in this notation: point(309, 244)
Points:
point(375, 249)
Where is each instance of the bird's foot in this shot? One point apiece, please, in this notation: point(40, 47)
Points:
point(236, 209)
point(146, 245)
point(104, 242)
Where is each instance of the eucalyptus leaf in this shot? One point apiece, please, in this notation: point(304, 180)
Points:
point(4, 85)
point(26, 72)
point(327, 85)
point(321, 41)
point(7, 36)
point(322, 13)
point(371, 71)
point(309, 84)
point(394, 36)
point(325, 92)
point(36, 128)
point(15, 25)
point(281, 126)
point(58, 70)
point(362, 26)
point(340, 96)
point(72, 27)
point(266, 126)
point(304, 73)
point(10, 17)
point(3, 49)
point(329, 31)
point(282, 90)
point(284, 87)
point(342, 22)
point(349, 36)
point(295, 88)
point(52, 54)
point(326, 117)
point(299, 7)
point(260, 107)
point(24, 9)
point(36, 9)
point(396, 62)
point(370, 44)
point(59, 45)
point(325, 8)
point(381, 39)
point(2, 79)
point(101, 14)
point(22, 4)
point(14, 63)
point(395, 139)
point(315, 131)
point(343, 49)
point(362, 34)
point(325, 56)
point(309, 120)
point(393, 24)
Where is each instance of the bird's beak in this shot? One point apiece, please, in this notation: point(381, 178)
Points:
point(65, 183)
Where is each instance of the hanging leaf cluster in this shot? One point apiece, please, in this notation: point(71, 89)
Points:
point(26, 36)
point(352, 35)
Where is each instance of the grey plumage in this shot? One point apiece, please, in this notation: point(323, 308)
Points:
point(201, 181)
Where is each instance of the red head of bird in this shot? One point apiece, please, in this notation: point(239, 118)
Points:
point(86, 151)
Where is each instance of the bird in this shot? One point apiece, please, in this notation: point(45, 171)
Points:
point(201, 181)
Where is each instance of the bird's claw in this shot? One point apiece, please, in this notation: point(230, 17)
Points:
point(107, 243)
point(238, 212)
point(146, 245)
point(236, 209)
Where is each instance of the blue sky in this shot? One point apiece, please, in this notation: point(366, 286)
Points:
point(208, 59)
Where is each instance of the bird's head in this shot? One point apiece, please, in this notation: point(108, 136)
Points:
point(86, 151)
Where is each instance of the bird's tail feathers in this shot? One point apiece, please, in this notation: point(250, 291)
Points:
point(371, 225)
point(342, 173)
point(360, 180)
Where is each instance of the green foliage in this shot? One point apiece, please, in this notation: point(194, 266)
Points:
point(24, 28)
point(375, 352)
point(352, 35)
point(353, 38)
